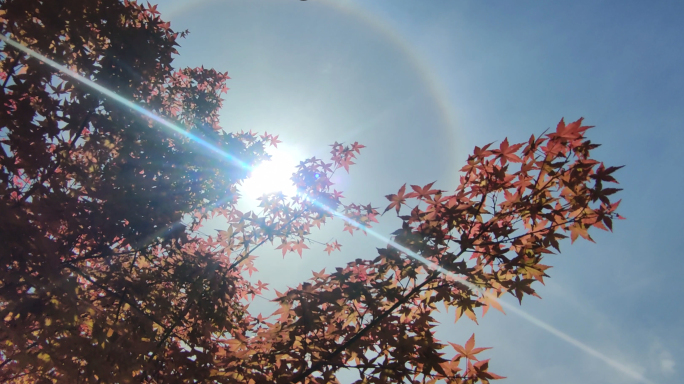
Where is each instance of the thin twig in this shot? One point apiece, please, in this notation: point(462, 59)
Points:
point(318, 365)
point(11, 71)
point(115, 294)
point(54, 167)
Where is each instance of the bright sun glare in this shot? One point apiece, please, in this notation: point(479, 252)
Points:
point(272, 175)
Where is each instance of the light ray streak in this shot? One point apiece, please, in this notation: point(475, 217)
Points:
point(530, 318)
point(122, 100)
point(175, 128)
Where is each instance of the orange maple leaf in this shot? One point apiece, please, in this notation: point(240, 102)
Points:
point(468, 351)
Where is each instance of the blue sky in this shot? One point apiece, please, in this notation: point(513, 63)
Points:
point(420, 83)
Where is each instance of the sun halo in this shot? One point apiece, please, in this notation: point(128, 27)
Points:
point(273, 175)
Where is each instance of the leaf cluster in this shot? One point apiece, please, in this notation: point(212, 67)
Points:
point(106, 275)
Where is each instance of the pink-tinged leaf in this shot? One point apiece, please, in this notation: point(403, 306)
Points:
point(299, 246)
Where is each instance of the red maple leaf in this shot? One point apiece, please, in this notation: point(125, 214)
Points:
point(335, 246)
point(357, 147)
point(422, 192)
point(262, 286)
point(346, 163)
point(274, 141)
point(571, 131)
point(250, 268)
point(507, 152)
point(396, 200)
point(299, 246)
point(286, 247)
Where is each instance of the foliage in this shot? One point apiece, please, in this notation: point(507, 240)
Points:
point(99, 281)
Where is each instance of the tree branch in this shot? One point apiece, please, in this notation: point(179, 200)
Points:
point(317, 366)
point(112, 293)
point(52, 170)
point(246, 255)
point(11, 71)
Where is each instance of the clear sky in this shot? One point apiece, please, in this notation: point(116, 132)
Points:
point(421, 82)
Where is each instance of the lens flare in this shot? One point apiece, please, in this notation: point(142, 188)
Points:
point(272, 175)
point(122, 100)
point(533, 320)
point(269, 181)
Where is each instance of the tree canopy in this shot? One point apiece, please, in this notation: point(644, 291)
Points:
point(101, 280)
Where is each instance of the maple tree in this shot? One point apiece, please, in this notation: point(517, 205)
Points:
point(101, 282)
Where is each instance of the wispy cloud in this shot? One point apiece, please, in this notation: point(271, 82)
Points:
point(662, 360)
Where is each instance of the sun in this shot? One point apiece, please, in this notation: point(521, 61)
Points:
point(273, 175)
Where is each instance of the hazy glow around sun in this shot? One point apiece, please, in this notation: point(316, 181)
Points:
point(272, 175)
